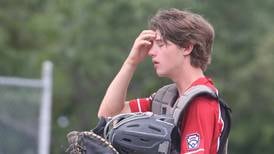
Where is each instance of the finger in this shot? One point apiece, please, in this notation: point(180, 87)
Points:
point(145, 42)
point(148, 31)
point(147, 36)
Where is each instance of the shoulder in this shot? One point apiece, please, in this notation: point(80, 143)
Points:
point(204, 105)
point(204, 102)
point(206, 82)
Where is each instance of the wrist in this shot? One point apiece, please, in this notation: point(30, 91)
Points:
point(131, 63)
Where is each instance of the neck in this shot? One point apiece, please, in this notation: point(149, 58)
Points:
point(186, 77)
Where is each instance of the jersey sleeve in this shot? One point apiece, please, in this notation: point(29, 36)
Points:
point(140, 105)
point(198, 127)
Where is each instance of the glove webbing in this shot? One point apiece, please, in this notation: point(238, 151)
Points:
point(76, 148)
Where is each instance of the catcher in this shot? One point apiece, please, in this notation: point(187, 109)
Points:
point(179, 43)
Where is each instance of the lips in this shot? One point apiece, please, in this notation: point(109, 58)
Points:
point(155, 62)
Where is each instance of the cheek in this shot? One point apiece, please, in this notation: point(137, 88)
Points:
point(172, 59)
point(167, 61)
point(169, 56)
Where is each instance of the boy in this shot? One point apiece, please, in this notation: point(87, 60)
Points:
point(180, 45)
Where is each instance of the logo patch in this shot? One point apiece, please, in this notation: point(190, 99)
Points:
point(193, 141)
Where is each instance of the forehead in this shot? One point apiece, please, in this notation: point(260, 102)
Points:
point(158, 35)
point(159, 38)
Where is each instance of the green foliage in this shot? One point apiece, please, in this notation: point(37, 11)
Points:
point(87, 40)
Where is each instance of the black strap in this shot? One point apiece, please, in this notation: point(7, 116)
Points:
point(226, 116)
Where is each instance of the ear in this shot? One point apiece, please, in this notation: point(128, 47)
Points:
point(187, 49)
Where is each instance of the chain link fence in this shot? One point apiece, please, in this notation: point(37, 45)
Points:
point(25, 113)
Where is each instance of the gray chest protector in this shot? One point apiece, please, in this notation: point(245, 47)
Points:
point(166, 101)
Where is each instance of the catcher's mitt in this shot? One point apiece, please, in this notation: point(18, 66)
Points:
point(88, 142)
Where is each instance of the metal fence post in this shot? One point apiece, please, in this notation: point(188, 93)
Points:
point(45, 110)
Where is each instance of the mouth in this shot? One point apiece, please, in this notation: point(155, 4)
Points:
point(155, 63)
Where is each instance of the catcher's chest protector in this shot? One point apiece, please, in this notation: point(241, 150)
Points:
point(166, 102)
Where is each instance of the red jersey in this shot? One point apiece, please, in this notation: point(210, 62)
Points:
point(201, 125)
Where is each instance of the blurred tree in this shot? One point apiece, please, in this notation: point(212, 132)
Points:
point(88, 40)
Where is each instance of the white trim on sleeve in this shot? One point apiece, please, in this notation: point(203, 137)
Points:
point(139, 105)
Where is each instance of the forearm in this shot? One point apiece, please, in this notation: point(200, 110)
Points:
point(114, 100)
point(115, 97)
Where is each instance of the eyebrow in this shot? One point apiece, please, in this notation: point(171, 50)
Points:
point(159, 40)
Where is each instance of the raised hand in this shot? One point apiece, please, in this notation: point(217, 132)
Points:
point(141, 46)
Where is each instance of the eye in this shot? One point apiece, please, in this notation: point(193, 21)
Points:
point(160, 44)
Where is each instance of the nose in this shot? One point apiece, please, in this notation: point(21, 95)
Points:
point(152, 52)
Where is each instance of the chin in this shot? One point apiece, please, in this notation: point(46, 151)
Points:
point(161, 74)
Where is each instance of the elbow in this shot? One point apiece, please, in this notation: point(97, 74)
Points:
point(101, 114)
point(108, 112)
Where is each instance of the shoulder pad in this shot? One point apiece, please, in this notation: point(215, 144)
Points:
point(164, 99)
point(188, 96)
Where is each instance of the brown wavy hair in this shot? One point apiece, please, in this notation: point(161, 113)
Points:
point(184, 28)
